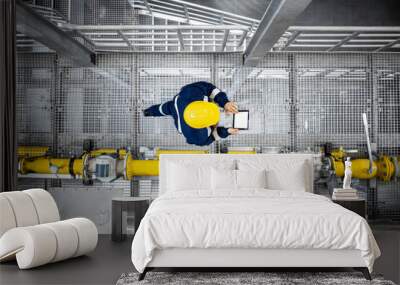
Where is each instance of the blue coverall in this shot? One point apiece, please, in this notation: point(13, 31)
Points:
point(198, 91)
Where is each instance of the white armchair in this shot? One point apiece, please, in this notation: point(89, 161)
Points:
point(31, 230)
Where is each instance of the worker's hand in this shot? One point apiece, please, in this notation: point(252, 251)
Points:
point(231, 107)
point(233, 131)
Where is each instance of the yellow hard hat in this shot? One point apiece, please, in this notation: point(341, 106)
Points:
point(201, 114)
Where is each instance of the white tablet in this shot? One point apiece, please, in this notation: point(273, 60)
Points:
point(241, 120)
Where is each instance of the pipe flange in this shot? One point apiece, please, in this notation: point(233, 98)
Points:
point(71, 167)
point(396, 163)
point(85, 172)
point(125, 165)
point(385, 168)
point(20, 165)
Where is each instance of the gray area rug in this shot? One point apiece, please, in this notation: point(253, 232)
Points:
point(233, 278)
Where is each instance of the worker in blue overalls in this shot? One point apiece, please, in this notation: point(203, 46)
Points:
point(196, 113)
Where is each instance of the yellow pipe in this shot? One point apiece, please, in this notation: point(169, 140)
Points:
point(384, 168)
point(172, 151)
point(77, 167)
point(102, 151)
point(141, 167)
point(151, 167)
point(359, 168)
point(32, 150)
point(338, 167)
point(241, 152)
point(43, 165)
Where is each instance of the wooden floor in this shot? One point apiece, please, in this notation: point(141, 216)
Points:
point(110, 260)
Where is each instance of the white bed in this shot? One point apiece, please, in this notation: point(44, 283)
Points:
point(280, 225)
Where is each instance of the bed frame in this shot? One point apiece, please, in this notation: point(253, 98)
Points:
point(242, 259)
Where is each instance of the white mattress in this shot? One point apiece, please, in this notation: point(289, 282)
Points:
point(252, 219)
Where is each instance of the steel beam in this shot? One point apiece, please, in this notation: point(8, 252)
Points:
point(389, 45)
point(291, 39)
point(280, 14)
point(40, 29)
point(225, 39)
point(151, 27)
point(186, 14)
point(293, 101)
point(319, 29)
point(248, 9)
point(80, 35)
point(126, 40)
point(242, 38)
point(345, 40)
point(148, 7)
point(180, 38)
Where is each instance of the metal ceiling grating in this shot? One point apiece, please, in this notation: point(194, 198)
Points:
point(49, 13)
point(25, 43)
point(189, 13)
point(182, 26)
point(159, 26)
point(335, 38)
point(171, 37)
point(172, 25)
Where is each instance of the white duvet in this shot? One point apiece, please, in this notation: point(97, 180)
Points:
point(256, 218)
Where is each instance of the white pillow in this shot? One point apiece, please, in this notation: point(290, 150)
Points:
point(251, 178)
point(190, 176)
point(183, 177)
point(223, 179)
point(289, 174)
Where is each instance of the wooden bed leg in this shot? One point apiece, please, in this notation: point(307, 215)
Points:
point(364, 271)
point(143, 274)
